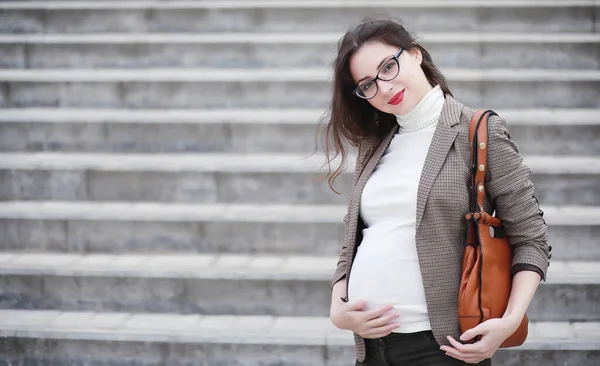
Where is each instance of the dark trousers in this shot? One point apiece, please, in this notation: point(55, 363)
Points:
point(410, 349)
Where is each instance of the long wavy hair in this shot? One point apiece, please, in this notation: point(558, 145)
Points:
point(351, 120)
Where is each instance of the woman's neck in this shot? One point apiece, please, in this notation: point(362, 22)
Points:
point(424, 114)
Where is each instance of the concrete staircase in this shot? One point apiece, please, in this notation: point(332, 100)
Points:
point(157, 207)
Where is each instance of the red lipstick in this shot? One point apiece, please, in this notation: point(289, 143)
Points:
point(397, 99)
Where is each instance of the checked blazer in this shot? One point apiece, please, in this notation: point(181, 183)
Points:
point(443, 200)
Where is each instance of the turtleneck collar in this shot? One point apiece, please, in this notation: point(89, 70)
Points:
point(425, 114)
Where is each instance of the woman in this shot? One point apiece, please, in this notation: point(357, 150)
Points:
point(397, 279)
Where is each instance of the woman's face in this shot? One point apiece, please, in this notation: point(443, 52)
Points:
point(399, 95)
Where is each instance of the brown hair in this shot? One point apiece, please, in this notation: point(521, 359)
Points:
point(351, 119)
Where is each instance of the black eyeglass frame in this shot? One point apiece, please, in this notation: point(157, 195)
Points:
point(357, 91)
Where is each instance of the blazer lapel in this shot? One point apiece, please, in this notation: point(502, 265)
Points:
point(443, 138)
point(367, 170)
point(374, 160)
point(355, 197)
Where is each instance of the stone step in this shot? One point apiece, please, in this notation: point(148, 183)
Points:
point(237, 178)
point(211, 4)
point(288, 88)
point(219, 266)
point(284, 16)
point(275, 50)
point(293, 38)
point(68, 338)
point(317, 74)
point(270, 116)
point(535, 131)
point(102, 227)
point(207, 284)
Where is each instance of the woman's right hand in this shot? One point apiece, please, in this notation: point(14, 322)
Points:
point(374, 323)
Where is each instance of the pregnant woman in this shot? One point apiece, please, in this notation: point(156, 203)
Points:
point(397, 280)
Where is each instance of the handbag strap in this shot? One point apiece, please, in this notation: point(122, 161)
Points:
point(478, 135)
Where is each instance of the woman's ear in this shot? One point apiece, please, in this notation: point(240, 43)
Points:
point(418, 56)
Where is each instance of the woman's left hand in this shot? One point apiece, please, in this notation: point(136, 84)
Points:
point(493, 332)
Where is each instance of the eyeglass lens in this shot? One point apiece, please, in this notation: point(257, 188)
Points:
point(387, 72)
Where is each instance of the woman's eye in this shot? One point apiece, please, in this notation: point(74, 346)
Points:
point(367, 86)
point(388, 67)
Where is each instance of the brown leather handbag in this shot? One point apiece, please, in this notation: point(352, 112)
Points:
point(486, 281)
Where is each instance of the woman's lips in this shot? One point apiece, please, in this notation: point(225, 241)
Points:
point(396, 99)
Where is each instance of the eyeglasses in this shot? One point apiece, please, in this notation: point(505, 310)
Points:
point(387, 72)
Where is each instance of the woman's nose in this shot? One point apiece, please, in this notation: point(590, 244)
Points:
point(384, 86)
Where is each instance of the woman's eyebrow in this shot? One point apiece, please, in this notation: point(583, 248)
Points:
point(378, 67)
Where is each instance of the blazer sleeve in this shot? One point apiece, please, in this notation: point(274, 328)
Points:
point(512, 194)
point(340, 271)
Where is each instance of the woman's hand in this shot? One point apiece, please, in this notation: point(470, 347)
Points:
point(493, 333)
point(373, 323)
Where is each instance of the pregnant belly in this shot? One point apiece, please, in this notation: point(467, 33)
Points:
point(386, 270)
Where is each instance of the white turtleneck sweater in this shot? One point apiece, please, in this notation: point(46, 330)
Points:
point(386, 268)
